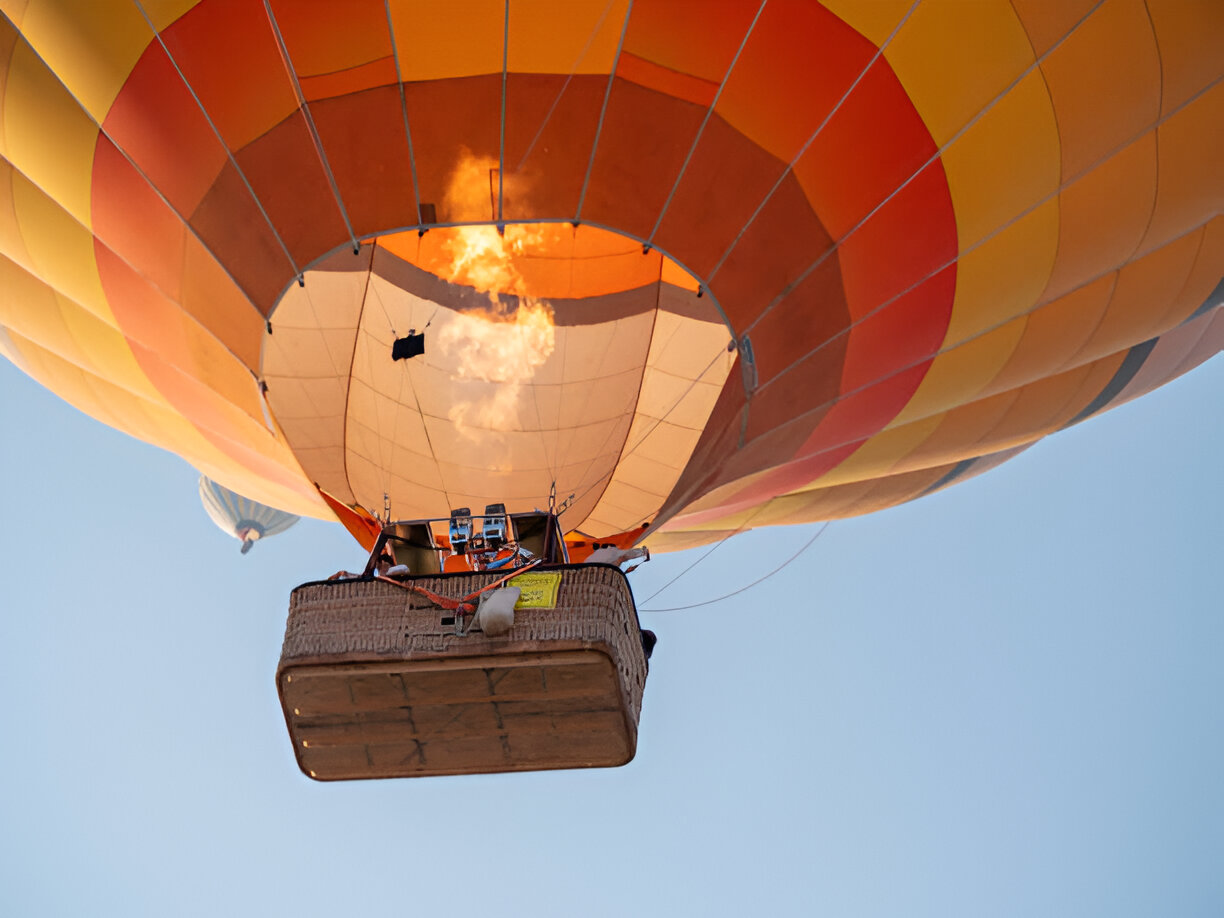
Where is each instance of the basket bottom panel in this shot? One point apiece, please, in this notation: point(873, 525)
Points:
point(457, 715)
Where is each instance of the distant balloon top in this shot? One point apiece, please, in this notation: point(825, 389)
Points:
point(244, 519)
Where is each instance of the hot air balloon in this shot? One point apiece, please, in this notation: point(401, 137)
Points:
point(246, 520)
point(704, 266)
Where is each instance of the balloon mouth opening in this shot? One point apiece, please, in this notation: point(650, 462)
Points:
point(476, 236)
point(490, 363)
point(539, 261)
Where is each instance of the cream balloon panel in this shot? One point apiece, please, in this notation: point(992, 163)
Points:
point(502, 404)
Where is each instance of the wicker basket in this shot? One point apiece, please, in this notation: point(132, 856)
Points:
point(376, 682)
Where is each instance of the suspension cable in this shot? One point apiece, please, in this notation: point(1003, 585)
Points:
point(713, 548)
point(806, 545)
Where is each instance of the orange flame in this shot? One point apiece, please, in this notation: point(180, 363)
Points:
point(505, 344)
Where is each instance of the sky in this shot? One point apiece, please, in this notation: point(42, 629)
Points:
point(1004, 699)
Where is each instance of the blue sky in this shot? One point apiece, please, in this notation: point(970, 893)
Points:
point(1005, 699)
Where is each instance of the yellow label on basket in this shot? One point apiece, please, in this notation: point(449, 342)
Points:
point(539, 590)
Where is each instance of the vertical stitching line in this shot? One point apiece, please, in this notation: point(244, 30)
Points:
point(564, 86)
point(311, 128)
point(228, 152)
point(812, 139)
point(399, 78)
point(603, 111)
point(501, 152)
point(706, 120)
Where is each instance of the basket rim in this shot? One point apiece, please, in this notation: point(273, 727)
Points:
point(452, 575)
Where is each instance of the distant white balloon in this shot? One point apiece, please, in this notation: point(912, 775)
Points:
point(245, 519)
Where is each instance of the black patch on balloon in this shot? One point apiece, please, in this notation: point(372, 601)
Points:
point(410, 346)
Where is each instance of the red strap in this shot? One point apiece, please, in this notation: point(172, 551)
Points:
point(451, 605)
point(463, 606)
point(510, 576)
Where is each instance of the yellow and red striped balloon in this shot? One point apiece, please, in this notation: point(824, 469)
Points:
point(752, 263)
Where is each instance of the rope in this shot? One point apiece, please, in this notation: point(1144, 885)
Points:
point(461, 606)
point(564, 86)
point(707, 602)
point(713, 549)
point(603, 111)
point(626, 450)
point(742, 526)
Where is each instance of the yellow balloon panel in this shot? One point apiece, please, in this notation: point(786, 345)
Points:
point(853, 499)
point(61, 252)
point(1105, 83)
point(562, 36)
point(60, 249)
point(956, 59)
point(1194, 28)
point(47, 136)
point(1047, 405)
point(9, 37)
point(38, 312)
point(429, 47)
point(1103, 217)
point(11, 243)
point(156, 424)
point(1204, 276)
point(959, 374)
point(1047, 23)
point(880, 455)
point(1191, 188)
point(876, 21)
point(90, 47)
point(959, 432)
point(1004, 276)
point(163, 13)
point(1054, 334)
point(1142, 295)
point(1018, 137)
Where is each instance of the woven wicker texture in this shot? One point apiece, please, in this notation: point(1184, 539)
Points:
point(369, 620)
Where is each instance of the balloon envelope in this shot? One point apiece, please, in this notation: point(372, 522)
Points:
point(244, 519)
point(703, 265)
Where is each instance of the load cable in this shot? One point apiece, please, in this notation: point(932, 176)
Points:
point(806, 545)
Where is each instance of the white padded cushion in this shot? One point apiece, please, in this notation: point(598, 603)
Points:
point(496, 611)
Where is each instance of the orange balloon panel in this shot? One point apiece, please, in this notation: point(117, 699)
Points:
point(703, 265)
